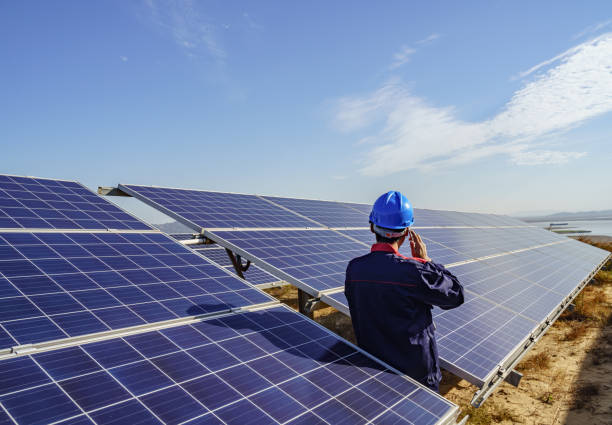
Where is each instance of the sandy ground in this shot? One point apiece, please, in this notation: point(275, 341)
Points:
point(567, 375)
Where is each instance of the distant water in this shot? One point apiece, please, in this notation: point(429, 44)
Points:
point(597, 227)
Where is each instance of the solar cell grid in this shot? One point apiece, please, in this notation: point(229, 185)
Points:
point(201, 209)
point(317, 258)
point(55, 285)
point(27, 202)
point(155, 378)
point(328, 213)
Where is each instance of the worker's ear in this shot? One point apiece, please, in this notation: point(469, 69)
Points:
point(372, 228)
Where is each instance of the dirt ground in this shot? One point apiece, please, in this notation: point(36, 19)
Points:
point(567, 376)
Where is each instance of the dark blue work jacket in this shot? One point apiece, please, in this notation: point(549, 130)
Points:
point(390, 298)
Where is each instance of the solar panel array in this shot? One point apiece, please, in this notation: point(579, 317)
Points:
point(217, 254)
point(263, 367)
point(521, 275)
point(127, 291)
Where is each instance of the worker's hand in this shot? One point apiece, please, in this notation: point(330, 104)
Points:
point(419, 250)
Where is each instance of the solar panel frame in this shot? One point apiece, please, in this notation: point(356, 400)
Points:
point(330, 366)
point(33, 202)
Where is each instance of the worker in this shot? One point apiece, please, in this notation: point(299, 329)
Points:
point(390, 296)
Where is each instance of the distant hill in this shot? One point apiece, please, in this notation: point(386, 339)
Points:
point(583, 215)
point(173, 227)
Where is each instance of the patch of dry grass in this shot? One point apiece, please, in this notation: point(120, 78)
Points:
point(591, 306)
point(536, 362)
point(604, 276)
point(489, 413)
point(575, 331)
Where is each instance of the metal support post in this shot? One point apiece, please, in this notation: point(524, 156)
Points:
point(514, 378)
point(306, 303)
point(111, 191)
point(234, 260)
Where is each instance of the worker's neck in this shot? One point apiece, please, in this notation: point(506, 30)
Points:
point(395, 245)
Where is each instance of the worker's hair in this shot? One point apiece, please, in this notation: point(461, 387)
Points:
point(382, 239)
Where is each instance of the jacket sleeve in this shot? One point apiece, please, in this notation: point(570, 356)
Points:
point(438, 287)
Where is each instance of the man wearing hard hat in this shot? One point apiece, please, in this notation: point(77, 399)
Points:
point(390, 296)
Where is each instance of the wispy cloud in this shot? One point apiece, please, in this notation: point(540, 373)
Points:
point(429, 39)
point(402, 57)
point(591, 29)
point(411, 133)
point(182, 20)
point(123, 58)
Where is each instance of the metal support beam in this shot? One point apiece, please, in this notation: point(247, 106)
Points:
point(514, 378)
point(234, 260)
point(111, 191)
point(306, 303)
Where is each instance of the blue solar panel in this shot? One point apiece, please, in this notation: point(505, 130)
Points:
point(200, 209)
point(316, 259)
point(157, 378)
point(507, 298)
point(55, 285)
point(34, 203)
point(328, 213)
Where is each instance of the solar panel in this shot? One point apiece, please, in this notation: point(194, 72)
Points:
point(328, 213)
point(508, 298)
point(54, 285)
point(313, 260)
point(200, 209)
point(265, 366)
point(35, 203)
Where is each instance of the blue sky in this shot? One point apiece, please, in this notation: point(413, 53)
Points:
point(476, 106)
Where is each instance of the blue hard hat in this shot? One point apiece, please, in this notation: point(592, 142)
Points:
point(392, 210)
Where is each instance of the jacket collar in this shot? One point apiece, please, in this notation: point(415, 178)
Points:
point(384, 247)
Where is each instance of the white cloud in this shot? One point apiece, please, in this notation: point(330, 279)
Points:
point(544, 157)
point(593, 28)
point(429, 39)
point(402, 57)
point(191, 31)
point(123, 58)
point(411, 133)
